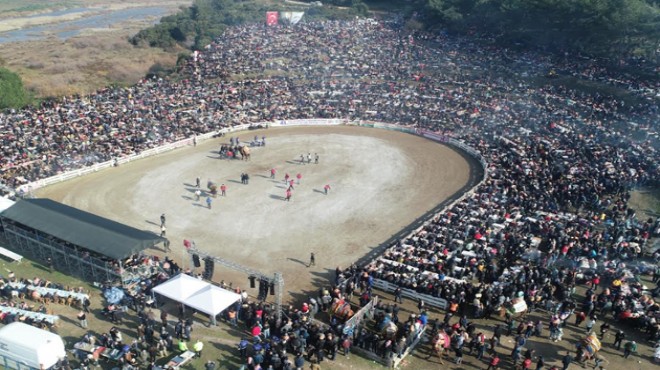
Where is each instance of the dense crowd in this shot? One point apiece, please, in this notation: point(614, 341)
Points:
point(551, 213)
point(355, 70)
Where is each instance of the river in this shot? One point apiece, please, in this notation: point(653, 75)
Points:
point(71, 28)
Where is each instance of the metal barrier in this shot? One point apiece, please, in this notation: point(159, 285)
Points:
point(379, 284)
point(430, 300)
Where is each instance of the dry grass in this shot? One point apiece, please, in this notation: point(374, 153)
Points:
point(82, 64)
point(85, 63)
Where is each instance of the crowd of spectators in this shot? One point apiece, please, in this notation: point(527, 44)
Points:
point(552, 211)
point(360, 69)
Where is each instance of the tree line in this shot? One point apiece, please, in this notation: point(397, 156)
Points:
point(605, 28)
point(12, 92)
point(196, 26)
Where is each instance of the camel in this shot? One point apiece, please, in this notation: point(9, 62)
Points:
point(245, 152)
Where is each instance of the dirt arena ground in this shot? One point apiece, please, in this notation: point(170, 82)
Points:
point(381, 181)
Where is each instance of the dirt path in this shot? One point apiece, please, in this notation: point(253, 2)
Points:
point(381, 181)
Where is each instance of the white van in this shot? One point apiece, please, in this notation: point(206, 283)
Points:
point(25, 347)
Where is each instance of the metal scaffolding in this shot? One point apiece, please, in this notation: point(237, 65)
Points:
point(65, 257)
point(71, 259)
point(276, 279)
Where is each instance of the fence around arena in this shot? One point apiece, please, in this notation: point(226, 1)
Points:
point(379, 284)
point(32, 186)
point(444, 139)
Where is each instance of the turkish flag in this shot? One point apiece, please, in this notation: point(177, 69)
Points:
point(271, 18)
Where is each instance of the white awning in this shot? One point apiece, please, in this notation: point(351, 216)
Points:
point(198, 294)
point(212, 300)
point(180, 287)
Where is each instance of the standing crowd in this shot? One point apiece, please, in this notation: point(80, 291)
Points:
point(552, 212)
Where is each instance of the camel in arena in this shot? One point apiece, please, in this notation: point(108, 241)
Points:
point(245, 152)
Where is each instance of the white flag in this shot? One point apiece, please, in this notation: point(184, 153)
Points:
point(292, 17)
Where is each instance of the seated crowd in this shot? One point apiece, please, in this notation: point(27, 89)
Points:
point(551, 212)
point(28, 300)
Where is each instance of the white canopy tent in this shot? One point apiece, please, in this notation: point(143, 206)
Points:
point(180, 287)
point(212, 300)
point(197, 294)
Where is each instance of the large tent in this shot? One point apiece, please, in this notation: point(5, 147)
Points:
point(197, 294)
point(180, 287)
point(212, 300)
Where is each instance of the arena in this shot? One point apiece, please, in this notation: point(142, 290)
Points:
point(547, 242)
point(381, 181)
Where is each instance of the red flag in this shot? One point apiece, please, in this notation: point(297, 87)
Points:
point(271, 18)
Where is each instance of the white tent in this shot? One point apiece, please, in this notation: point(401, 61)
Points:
point(197, 294)
point(212, 300)
point(180, 287)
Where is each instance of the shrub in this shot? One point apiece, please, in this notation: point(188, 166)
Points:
point(12, 91)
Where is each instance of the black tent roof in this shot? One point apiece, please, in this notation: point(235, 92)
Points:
point(81, 228)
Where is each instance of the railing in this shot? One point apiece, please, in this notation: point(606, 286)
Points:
point(28, 188)
point(280, 123)
point(388, 287)
point(383, 285)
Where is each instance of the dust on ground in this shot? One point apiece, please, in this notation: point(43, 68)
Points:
point(422, 174)
point(380, 181)
point(646, 201)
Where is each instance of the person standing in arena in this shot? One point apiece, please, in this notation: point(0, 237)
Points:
point(288, 195)
point(272, 173)
point(326, 188)
point(299, 176)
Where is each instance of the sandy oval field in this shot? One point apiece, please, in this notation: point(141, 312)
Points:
point(381, 181)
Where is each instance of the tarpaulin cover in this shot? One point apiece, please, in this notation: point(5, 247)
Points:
point(113, 295)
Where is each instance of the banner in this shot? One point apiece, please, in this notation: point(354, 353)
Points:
point(297, 17)
point(433, 136)
point(292, 17)
point(309, 122)
point(271, 18)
